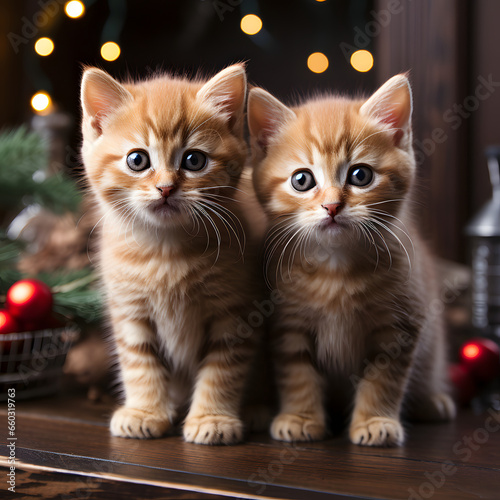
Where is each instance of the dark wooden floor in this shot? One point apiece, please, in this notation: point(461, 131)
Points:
point(64, 450)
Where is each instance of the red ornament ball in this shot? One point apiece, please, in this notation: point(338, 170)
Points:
point(8, 324)
point(32, 326)
point(47, 323)
point(482, 358)
point(29, 300)
point(463, 383)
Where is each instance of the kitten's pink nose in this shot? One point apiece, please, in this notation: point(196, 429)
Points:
point(332, 208)
point(166, 191)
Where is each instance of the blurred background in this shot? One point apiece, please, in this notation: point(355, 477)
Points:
point(293, 49)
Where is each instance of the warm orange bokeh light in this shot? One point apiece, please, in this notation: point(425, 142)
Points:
point(44, 46)
point(41, 103)
point(471, 351)
point(251, 24)
point(362, 61)
point(110, 51)
point(317, 62)
point(22, 292)
point(74, 9)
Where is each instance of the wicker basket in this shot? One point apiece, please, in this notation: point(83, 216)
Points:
point(32, 362)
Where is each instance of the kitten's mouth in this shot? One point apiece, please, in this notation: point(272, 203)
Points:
point(329, 223)
point(164, 207)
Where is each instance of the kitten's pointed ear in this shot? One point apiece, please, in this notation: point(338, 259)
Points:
point(101, 95)
point(391, 104)
point(265, 116)
point(227, 91)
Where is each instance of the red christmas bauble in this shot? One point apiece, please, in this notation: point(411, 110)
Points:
point(29, 300)
point(8, 324)
point(482, 358)
point(32, 326)
point(49, 322)
point(463, 383)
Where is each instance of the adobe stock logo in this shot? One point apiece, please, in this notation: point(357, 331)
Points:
point(464, 450)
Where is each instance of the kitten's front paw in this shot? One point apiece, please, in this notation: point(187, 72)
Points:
point(445, 406)
point(213, 429)
point(440, 407)
point(436, 408)
point(377, 431)
point(290, 427)
point(135, 423)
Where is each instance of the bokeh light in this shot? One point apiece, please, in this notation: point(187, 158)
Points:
point(44, 46)
point(41, 103)
point(362, 61)
point(22, 292)
point(471, 351)
point(74, 9)
point(251, 24)
point(317, 62)
point(110, 51)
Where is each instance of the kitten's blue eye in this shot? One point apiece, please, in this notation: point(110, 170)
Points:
point(303, 180)
point(194, 160)
point(138, 161)
point(360, 175)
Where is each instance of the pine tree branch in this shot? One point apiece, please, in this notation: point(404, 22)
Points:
point(75, 295)
point(22, 156)
point(9, 254)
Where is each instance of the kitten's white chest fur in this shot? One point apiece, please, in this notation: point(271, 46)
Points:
point(156, 289)
point(180, 334)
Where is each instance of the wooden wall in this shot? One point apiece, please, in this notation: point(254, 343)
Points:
point(485, 121)
point(431, 40)
point(10, 64)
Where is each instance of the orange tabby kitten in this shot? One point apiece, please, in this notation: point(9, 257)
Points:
point(335, 177)
point(163, 158)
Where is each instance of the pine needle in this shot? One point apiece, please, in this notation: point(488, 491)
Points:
point(23, 162)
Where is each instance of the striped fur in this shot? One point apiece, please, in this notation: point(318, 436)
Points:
point(176, 275)
point(359, 296)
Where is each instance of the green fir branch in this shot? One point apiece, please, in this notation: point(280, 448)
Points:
point(22, 153)
point(57, 193)
point(23, 162)
point(9, 254)
point(82, 305)
point(75, 294)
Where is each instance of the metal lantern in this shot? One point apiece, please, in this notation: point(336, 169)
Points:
point(484, 232)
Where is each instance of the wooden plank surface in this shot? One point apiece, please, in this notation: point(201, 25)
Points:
point(460, 460)
point(50, 484)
